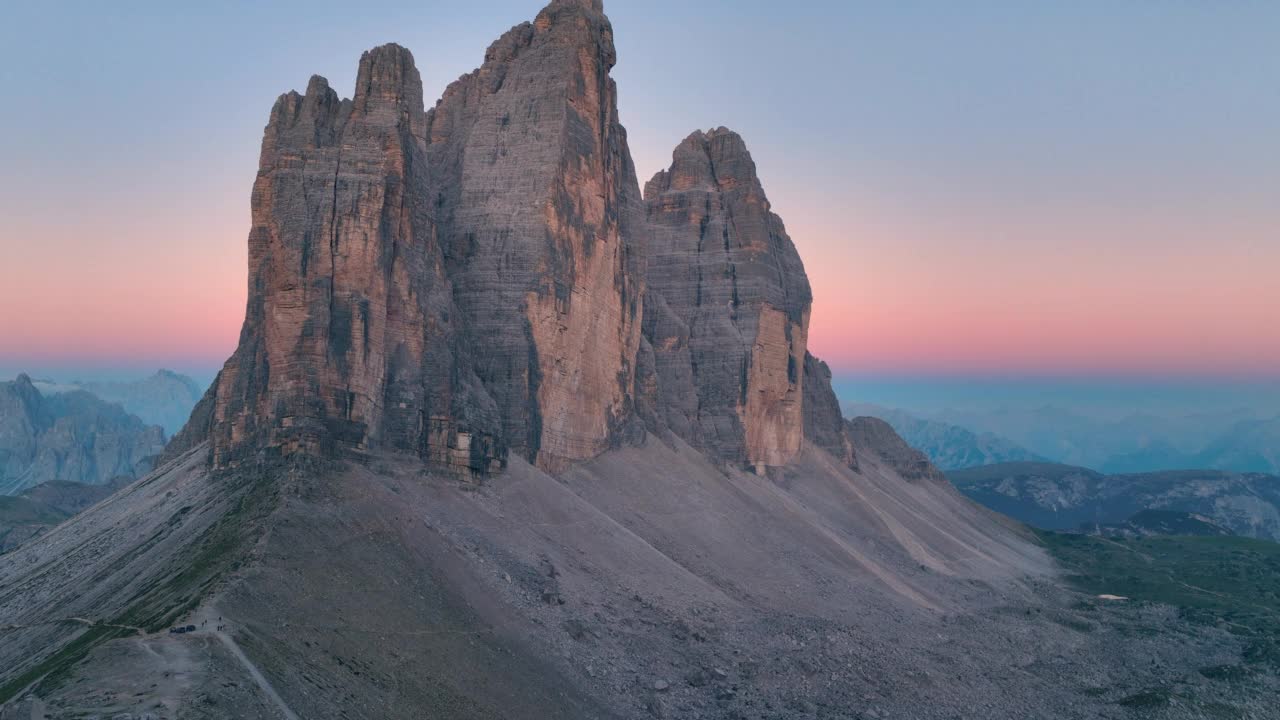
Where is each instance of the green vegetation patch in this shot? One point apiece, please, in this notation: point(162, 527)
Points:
point(1230, 581)
point(219, 550)
point(53, 669)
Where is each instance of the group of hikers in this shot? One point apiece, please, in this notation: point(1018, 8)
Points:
point(183, 629)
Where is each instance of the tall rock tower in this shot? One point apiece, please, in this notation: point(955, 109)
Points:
point(470, 281)
point(348, 340)
point(542, 224)
point(457, 283)
point(727, 311)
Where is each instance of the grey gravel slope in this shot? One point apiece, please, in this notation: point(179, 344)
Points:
point(648, 582)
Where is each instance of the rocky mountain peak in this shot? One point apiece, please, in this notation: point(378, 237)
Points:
point(21, 393)
point(594, 5)
point(585, 14)
point(453, 283)
point(718, 162)
point(543, 232)
point(68, 436)
point(471, 280)
point(717, 157)
point(727, 310)
point(582, 26)
point(388, 82)
point(348, 340)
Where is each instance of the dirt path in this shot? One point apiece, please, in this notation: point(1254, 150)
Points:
point(38, 706)
point(79, 620)
point(256, 674)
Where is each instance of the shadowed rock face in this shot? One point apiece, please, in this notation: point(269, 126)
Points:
point(824, 425)
point(541, 220)
point(875, 435)
point(727, 309)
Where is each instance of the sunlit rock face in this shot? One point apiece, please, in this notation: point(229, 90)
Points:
point(470, 281)
point(543, 227)
point(348, 340)
point(728, 305)
point(460, 282)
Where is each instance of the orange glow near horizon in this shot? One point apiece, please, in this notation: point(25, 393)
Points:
point(922, 285)
point(948, 296)
point(1094, 295)
point(161, 287)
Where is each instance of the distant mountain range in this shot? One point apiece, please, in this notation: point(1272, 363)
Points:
point(1237, 441)
point(1052, 496)
point(1145, 523)
point(950, 447)
point(1250, 445)
point(165, 398)
point(72, 435)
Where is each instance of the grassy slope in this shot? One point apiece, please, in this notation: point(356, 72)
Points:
point(203, 562)
point(22, 511)
point(1229, 580)
point(21, 518)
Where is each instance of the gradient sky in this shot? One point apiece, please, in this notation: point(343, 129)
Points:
point(1033, 188)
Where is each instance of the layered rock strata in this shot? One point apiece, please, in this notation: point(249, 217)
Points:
point(824, 425)
point(727, 311)
point(542, 225)
point(348, 340)
point(454, 283)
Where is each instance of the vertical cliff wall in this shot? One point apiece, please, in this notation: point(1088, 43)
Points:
point(348, 339)
point(824, 424)
point(727, 307)
point(471, 280)
point(542, 224)
point(455, 283)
